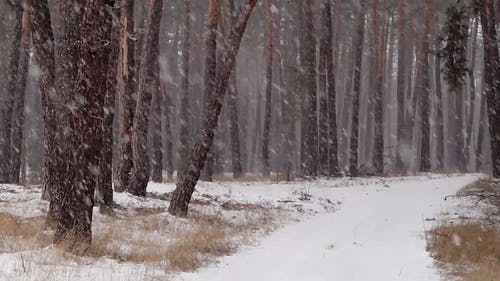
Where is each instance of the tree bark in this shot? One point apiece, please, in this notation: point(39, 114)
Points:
point(148, 86)
point(333, 165)
point(17, 123)
point(269, 89)
point(211, 69)
point(234, 128)
point(425, 110)
point(492, 81)
point(189, 176)
point(12, 81)
point(104, 192)
point(84, 139)
point(309, 69)
point(185, 126)
point(126, 94)
point(43, 43)
point(353, 159)
point(439, 109)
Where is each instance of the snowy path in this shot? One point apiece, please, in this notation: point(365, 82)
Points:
point(376, 235)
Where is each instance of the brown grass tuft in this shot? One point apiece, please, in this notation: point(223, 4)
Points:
point(23, 234)
point(472, 250)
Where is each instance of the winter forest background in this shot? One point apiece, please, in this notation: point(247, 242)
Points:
point(123, 92)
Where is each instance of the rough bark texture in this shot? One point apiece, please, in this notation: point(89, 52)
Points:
point(492, 81)
point(309, 68)
point(353, 159)
point(104, 190)
point(12, 79)
point(17, 123)
point(84, 138)
point(213, 104)
point(126, 92)
point(148, 85)
point(266, 134)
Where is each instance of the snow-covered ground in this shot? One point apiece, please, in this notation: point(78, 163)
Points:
point(344, 229)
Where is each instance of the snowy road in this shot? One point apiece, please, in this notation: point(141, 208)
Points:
point(377, 234)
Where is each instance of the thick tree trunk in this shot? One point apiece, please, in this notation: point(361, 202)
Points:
point(353, 159)
point(17, 123)
point(269, 89)
point(12, 81)
point(184, 141)
point(309, 68)
point(492, 81)
point(104, 192)
point(189, 176)
point(62, 191)
point(126, 95)
point(85, 137)
point(148, 86)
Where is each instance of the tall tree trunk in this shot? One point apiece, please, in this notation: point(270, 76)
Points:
point(211, 69)
point(189, 176)
point(358, 55)
point(425, 99)
point(85, 139)
point(43, 43)
point(148, 86)
point(12, 81)
point(269, 89)
point(322, 88)
point(439, 109)
point(183, 151)
point(327, 32)
point(104, 192)
point(401, 82)
point(17, 123)
point(167, 130)
point(309, 68)
point(234, 129)
point(492, 81)
point(64, 160)
point(126, 95)
point(472, 84)
point(378, 157)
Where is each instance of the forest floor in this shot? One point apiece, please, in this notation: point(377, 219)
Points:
point(346, 229)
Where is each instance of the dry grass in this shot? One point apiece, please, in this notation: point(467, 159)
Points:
point(148, 235)
point(19, 235)
point(472, 249)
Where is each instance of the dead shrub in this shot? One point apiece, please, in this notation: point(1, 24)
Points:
point(473, 250)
